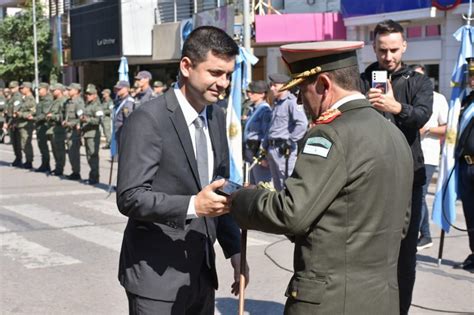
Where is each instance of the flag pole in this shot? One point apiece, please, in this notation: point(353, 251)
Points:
point(243, 253)
point(441, 247)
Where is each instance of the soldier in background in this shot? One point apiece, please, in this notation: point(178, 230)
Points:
point(43, 107)
point(26, 123)
point(74, 108)
point(3, 105)
point(124, 107)
point(90, 122)
point(13, 105)
point(145, 93)
point(107, 107)
point(158, 88)
point(56, 133)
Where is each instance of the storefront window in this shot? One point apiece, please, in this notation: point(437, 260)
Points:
point(433, 30)
point(414, 32)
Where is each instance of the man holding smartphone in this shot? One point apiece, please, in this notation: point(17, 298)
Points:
point(408, 104)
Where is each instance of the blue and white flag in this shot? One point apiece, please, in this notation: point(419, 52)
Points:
point(233, 122)
point(123, 76)
point(444, 207)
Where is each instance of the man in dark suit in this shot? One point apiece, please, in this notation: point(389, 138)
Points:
point(171, 148)
point(346, 203)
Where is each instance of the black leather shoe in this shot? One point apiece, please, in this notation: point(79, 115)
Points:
point(28, 166)
point(43, 169)
point(467, 264)
point(92, 182)
point(17, 163)
point(57, 173)
point(74, 176)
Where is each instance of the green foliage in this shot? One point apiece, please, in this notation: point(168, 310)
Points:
point(17, 51)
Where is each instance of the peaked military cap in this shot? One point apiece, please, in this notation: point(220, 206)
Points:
point(13, 84)
point(26, 85)
point(143, 75)
point(470, 66)
point(279, 78)
point(122, 84)
point(75, 86)
point(91, 89)
point(258, 86)
point(307, 59)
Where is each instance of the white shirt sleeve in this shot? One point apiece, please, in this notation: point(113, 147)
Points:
point(443, 110)
point(191, 214)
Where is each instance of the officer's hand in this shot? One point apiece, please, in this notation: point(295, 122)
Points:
point(209, 204)
point(384, 102)
point(235, 261)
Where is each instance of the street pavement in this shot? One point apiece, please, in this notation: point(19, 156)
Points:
point(61, 239)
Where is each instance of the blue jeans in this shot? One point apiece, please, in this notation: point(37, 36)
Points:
point(425, 214)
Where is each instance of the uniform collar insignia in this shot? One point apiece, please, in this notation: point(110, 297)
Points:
point(328, 116)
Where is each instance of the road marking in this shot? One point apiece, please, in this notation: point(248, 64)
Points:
point(103, 206)
point(52, 194)
point(79, 228)
point(30, 254)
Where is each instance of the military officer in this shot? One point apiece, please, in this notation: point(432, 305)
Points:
point(90, 122)
point(255, 131)
point(107, 108)
point(288, 125)
point(74, 108)
point(158, 88)
point(465, 158)
point(3, 105)
point(26, 122)
point(124, 107)
point(145, 93)
point(43, 107)
point(56, 133)
point(13, 105)
point(347, 202)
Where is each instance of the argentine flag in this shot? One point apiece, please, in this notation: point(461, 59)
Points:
point(444, 207)
point(234, 110)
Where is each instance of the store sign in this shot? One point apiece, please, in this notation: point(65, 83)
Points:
point(106, 41)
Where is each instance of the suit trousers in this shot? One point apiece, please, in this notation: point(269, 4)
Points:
point(199, 302)
point(407, 256)
point(466, 192)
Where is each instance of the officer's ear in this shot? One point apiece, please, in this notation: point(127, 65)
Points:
point(323, 84)
point(185, 66)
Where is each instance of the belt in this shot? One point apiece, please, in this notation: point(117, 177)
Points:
point(469, 159)
point(276, 142)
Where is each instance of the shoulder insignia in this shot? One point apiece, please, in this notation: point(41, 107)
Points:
point(318, 146)
point(328, 116)
point(300, 108)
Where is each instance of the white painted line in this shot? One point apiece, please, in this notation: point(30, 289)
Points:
point(79, 228)
point(103, 206)
point(32, 255)
point(52, 194)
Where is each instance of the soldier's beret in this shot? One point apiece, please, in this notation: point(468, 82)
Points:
point(26, 85)
point(279, 78)
point(106, 91)
point(307, 59)
point(75, 86)
point(13, 84)
point(143, 75)
point(91, 89)
point(43, 85)
point(258, 87)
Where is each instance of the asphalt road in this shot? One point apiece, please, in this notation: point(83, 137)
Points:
point(60, 243)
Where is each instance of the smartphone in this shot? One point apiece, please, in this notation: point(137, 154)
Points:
point(379, 80)
point(229, 187)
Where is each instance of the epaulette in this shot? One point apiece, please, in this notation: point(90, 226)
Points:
point(328, 116)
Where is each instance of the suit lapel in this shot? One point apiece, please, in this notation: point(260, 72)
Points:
point(181, 128)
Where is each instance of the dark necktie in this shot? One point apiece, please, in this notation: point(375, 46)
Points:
point(201, 151)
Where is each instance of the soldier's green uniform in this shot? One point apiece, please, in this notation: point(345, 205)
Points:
point(74, 109)
point(42, 109)
point(3, 106)
point(90, 130)
point(26, 125)
point(346, 203)
point(107, 107)
point(56, 133)
point(13, 105)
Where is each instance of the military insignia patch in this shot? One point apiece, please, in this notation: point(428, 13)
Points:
point(299, 108)
point(317, 146)
point(328, 116)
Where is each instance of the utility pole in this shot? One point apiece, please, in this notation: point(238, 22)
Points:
point(35, 46)
point(247, 35)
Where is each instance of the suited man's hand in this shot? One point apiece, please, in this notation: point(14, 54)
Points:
point(235, 261)
point(209, 204)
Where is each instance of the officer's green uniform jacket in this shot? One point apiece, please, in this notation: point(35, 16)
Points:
point(13, 105)
point(346, 205)
point(57, 115)
point(42, 109)
point(93, 113)
point(27, 108)
point(3, 107)
point(73, 109)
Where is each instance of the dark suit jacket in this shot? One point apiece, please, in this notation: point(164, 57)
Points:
point(346, 203)
point(163, 253)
